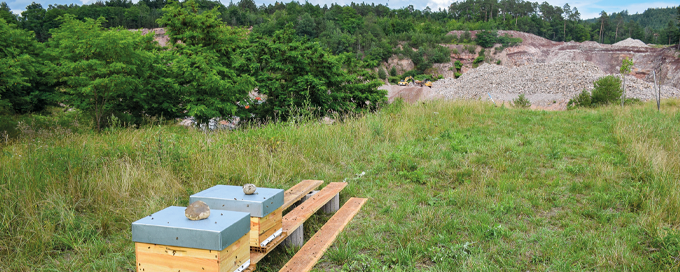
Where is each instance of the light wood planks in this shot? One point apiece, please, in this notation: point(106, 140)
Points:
point(153, 257)
point(293, 219)
point(313, 250)
point(301, 213)
point(297, 192)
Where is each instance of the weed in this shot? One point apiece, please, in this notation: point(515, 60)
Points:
point(521, 102)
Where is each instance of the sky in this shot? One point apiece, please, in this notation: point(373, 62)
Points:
point(587, 8)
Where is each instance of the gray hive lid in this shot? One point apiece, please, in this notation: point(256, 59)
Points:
point(170, 227)
point(232, 198)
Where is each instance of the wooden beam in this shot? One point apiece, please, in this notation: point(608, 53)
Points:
point(293, 219)
point(311, 252)
point(297, 192)
point(300, 214)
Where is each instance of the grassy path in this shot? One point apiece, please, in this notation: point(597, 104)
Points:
point(451, 185)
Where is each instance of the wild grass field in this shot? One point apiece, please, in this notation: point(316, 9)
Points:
point(452, 186)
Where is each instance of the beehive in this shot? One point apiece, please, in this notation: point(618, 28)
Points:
point(168, 241)
point(264, 207)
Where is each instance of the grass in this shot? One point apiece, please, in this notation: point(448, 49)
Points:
point(450, 184)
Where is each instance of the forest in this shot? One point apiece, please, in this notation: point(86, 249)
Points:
point(324, 57)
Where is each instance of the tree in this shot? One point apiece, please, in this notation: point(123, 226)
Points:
point(393, 71)
point(33, 19)
point(301, 77)
point(207, 67)
point(382, 74)
point(306, 26)
point(619, 21)
point(486, 39)
point(99, 71)
point(604, 19)
point(567, 16)
point(6, 13)
point(24, 79)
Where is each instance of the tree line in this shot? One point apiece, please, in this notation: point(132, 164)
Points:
point(208, 70)
point(38, 68)
point(372, 31)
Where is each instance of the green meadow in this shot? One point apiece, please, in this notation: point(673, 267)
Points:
point(451, 186)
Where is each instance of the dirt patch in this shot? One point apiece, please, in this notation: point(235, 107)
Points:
point(409, 93)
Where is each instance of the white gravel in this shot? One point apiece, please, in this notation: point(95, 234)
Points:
point(631, 42)
point(542, 83)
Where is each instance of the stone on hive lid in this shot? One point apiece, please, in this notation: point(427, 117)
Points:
point(197, 211)
point(249, 189)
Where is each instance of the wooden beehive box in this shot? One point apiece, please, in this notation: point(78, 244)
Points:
point(168, 241)
point(264, 207)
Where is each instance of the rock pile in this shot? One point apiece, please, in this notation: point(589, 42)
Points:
point(631, 42)
point(542, 83)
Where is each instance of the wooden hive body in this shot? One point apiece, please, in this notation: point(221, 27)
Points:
point(262, 228)
point(153, 257)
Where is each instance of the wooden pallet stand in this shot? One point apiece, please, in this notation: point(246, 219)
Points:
point(257, 235)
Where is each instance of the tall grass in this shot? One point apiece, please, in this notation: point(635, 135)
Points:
point(480, 186)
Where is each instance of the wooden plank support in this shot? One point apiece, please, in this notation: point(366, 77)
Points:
point(294, 219)
point(301, 213)
point(298, 191)
point(313, 250)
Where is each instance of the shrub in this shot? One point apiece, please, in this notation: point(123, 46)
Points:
point(521, 102)
point(498, 62)
point(508, 41)
point(393, 71)
point(466, 36)
point(457, 75)
point(486, 38)
point(607, 90)
point(482, 52)
point(381, 73)
point(478, 60)
point(394, 79)
point(455, 51)
point(470, 48)
point(458, 65)
point(581, 100)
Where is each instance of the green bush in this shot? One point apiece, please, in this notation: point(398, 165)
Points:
point(583, 99)
point(458, 65)
point(381, 73)
point(394, 80)
point(393, 71)
point(486, 38)
point(455, 51)
point(466, 37)
point(478, 60)
point(457, 75)
point(607, 90)
point(521, 102)
point(470, 48)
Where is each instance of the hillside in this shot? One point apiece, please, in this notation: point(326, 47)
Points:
point(549, 73)
point(654, 18)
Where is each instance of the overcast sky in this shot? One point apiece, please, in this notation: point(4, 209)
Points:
point(587, 8)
